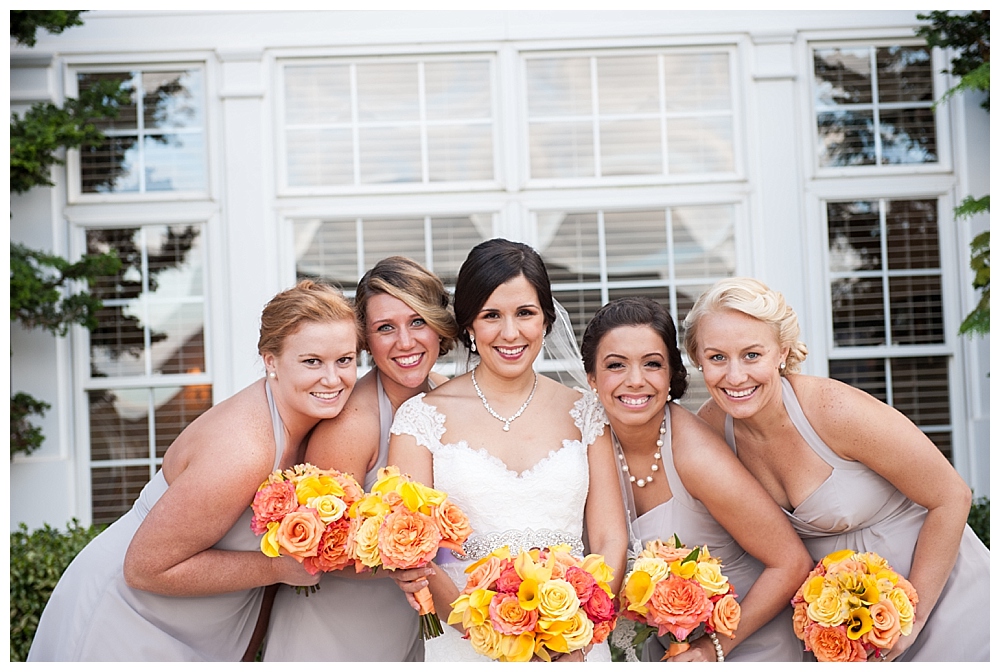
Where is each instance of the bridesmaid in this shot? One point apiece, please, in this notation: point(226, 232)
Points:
point(407, 325)
point(849, 471)
point(703, 494)
point(180, 577)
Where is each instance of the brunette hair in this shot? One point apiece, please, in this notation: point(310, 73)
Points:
point(415, 286)
point(636, 311)
point(489, 265)
point(308, 301)
point(750, 297)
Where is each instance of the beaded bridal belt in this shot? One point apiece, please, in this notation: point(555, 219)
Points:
point(481, 545)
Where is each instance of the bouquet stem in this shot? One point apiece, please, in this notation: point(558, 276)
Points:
point(430, 624)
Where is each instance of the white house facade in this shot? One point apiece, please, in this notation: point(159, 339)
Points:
point(641, 152)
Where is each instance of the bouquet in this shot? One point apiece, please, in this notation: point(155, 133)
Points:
point(540, 602)
point(853, 605)
point(304, 512)
point(673, 589)
point(401, 524)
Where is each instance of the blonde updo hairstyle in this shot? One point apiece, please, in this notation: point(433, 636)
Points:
point(414, 285)
point(308, 301)
point(750, 297)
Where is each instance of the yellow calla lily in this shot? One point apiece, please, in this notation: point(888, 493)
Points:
point(517, 648)
point(638, 589)
point(601, 571)
point(388, 480)
point(528, 595)
point(685, 570)
point(528, 567)
point(837, 556)
point(503, 553)
point(368, 506)
point(269, 542)
point(858, 623)
point(814, 586)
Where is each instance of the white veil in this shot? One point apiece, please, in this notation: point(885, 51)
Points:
point(562, 354)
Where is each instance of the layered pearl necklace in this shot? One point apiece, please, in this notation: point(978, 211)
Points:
point(506, 421)
point(641, 482)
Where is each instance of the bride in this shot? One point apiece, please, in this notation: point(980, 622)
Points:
point(525, 457)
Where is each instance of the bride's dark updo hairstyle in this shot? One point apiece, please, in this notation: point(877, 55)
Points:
point(489, 265)
point(636, 311)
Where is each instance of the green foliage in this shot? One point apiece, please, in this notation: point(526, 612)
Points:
point(979, 519)
point(46, 128)
point(969, 35)
point(978, 321)
point(37, 560)
point(25, 437)
point(25, 23)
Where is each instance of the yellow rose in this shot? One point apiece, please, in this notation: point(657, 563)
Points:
point(600, 570)
point(656, 568)
point(366, 542)
point(813, 587)
point(709, 575)
point(388, 480)
point(485, 641)
point(902, 603)
point(329, 507)
point(418, 497)
point(517, 648)
point(557, 599)
point(580, 631)
point(269, 542)
point(830, 608)
point(317, 486)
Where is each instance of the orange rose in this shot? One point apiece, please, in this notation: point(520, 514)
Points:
point(509, 617)
point(331, 553)
point(726, 616)
point(299, 533)
point(907, 587)
point(848, 566)
point(272, 503)
point(582, 581)
point(885, 625)
point(483, 576)
point(667, 552)
point(678, 606)
point(453, 524)
point(407, 539)
point(602, 630)
point(831, 644)
point(353, 491)
point(801, 620)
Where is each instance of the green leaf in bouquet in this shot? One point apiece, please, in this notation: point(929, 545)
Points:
point(677, 541)
point(642, 633)
point(692, 556)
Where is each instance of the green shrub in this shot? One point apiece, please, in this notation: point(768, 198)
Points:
point(37, 560)
point(979, 519)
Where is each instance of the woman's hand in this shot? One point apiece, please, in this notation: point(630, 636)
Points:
point(702, 651)
point(292, 572)
point(577, 656)
point(412, 580)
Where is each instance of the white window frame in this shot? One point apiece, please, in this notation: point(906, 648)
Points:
point(148, 63)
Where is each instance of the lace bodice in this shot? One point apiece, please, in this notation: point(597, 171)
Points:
point(548, 496)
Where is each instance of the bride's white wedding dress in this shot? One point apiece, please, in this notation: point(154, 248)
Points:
point(538, 507)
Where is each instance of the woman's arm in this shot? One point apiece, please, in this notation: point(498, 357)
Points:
point(859, 427)
point(712, 474)
point(417, 461)
point(604, 512)
point(171, 553)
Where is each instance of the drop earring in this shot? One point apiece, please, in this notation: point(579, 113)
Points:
point(472, 342)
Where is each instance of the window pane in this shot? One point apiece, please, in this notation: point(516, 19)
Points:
point(704, 241)
point(686, 296)
point(114, 489)
point(700, 145)
point(696, 82)
point(176, 408)
point(119, 424)
point(631, 147)
point(390, 155)
point(127, 118)
point(581, 304)
point(458, 90)
point(912, 234)
point(855, 239)
point(319, 157)
point(858, 312)
point(181, 346)
point(636, 245)
point(117, 346)
point(846, 138)
point(628, 85)
point(387, 237)
point(387, 92)
point(317, 94)
point(111, 167)
point(843, 76)
point(172, 99)
point(864, 374)
point(915, 304)
point(457, 153)
point(904, 74)
point(561, 150)
point(327, 250)
point(174, 162)
point(452, 238)
point(920, 389)
point(559, 86)
point(908, 136)
point(571, 251)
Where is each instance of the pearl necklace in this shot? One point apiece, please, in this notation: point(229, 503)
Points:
point(641, 482)
point(506, 421)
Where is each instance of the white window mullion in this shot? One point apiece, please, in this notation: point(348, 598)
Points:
point(884, 252)
point(355, 131)
point(422, 106)
point(602, 255)
point(595, 112)
point(661, 85)
point(428, 245)
point(876, 117)
point(671, 270)
point(359, 235)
